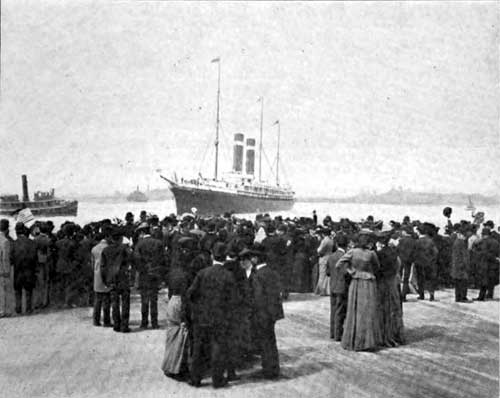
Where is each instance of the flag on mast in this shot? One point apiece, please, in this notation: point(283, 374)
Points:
point(276, 122)
point(215, 60)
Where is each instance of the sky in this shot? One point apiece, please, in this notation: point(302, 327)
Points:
point(96, 96)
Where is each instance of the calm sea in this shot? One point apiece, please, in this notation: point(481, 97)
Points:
point(92, 211)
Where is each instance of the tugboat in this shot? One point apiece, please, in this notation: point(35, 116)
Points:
point(43, 203)
point(137, 196)
point(239, 191)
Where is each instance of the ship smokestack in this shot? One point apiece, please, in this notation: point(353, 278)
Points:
point(250, 156)
point(238, 153)
point(26, 196)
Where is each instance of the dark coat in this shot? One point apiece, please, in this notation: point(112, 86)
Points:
point(66, 256)
point(488, 250)
point(150, 262)
point(460, 260)
point(267, 298)
point(24, 260)
point(115, 266)
point(339, 278)
point(406, 249)
point(276, 250)
point(426, 253)
point(212, 297)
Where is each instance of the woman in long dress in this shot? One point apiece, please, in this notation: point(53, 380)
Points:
point(175, 359)
point(362, 323)
point(324, 250)
point(389, 295)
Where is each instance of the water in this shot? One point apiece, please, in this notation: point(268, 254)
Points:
point(92, 211)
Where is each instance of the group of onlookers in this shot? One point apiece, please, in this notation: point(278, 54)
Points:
point(227, 278)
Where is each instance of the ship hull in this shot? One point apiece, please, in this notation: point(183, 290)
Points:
point(52, 208)
point(210, 202)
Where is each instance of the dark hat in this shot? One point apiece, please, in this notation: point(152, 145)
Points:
point(219, 251)
point(129, 216)
point(246, 253)
point(489, 224)
point(282, 228)
point(116, 232)
point(143, 227)
point(4, 225)
point(20, 227)
point(447, 212)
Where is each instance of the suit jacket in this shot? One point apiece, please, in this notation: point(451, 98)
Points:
point(275, 247)
point(66, 252)
point(115, 266)
point(5, 246)
point(96, 252)
point(338, 276)
point(426, 253)
point(406, 249)
point(267, 297)
point(212, 297)
point(24, 260)
point(460, 261)
point(150, 261)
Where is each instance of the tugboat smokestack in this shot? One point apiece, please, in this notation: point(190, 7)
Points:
point(250, 156)
point(26, 196)
point(238, 153)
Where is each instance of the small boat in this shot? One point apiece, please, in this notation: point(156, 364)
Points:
point(43, 203)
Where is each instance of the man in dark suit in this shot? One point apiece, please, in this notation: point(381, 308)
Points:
point(116, 274)
point(406, 253)
point(150, 262)
point(426, 254)
point(488, 264)
point(338, 288)
point(268, 309)
point(211, 297)
point(24, 260)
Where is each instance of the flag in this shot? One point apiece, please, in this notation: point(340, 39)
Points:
point(276, 122)
point(25, 216)
point(216, 59)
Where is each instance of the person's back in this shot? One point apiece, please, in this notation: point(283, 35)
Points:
point(425, 252)
point(212, 294)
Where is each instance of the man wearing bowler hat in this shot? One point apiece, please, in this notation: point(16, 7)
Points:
point(268, 309)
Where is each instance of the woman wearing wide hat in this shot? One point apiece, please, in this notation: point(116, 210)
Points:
point(362, 324)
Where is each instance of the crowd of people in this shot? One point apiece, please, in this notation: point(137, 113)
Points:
point(227, 278)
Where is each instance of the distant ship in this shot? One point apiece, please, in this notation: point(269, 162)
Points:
point(137, 196)
point(43, 203)
point(239, 191)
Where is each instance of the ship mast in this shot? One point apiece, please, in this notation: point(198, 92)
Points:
point(278, 156)
point(217, 60)
point(260, 141)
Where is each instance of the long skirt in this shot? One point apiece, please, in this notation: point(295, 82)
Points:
point(390, 312)
point(6, 295)
point(323, 286)
point(175, 357)
point(362, 323)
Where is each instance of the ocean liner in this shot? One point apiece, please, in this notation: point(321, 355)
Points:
point(43, 203)
point(239, 191)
